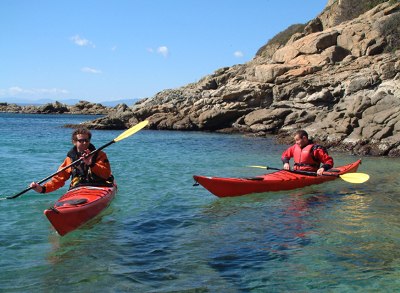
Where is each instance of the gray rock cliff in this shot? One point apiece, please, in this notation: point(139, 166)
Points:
point(338, 78)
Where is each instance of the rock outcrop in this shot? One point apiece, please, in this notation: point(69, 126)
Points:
point(82, 107)
point(339, 79)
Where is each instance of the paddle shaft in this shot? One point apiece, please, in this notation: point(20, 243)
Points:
point(348, 177)
point(120, 137)
point(303, 172)
point(61, 170)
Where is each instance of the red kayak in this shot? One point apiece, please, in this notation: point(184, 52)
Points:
point(276, 181)
point(78, 206)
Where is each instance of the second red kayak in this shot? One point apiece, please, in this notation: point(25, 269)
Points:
point(276, 181)
point(78, 206)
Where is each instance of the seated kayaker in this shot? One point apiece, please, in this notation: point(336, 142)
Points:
point(92, 170)
point(307, 155)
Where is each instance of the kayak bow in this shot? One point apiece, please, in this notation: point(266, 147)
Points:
point(78, 206)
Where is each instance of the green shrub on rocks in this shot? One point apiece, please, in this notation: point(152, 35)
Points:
point(390, 29)
point(281, 38)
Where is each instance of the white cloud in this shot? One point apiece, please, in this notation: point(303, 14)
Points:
point(163, 50)
point(91, 70)
point(82, 41)
point(15, 90)
point(34, 92)
point(238, 54)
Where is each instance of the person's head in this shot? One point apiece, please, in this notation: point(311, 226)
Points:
point(301, 138)
point(81, 138)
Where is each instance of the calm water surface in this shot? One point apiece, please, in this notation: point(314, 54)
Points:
point(161, 234)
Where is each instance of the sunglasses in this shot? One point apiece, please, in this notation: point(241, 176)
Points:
point(82, 140)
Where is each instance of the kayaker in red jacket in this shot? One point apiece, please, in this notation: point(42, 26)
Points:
point(92, 170)
point(307, 155)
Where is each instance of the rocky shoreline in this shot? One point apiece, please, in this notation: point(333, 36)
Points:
point(338, 78)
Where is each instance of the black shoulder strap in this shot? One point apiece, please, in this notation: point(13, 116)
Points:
point(316, 147)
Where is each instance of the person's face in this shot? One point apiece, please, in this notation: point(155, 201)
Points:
point(81, 142)
point(301, 141)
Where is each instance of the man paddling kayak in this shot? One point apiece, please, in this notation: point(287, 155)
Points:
point(307, 155)
point(92, 170)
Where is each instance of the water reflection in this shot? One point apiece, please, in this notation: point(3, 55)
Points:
point(246, 236)
point(271, 234)
point(90, 246)
point(349, 243)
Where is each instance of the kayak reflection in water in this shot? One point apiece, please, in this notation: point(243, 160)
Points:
point(92, 170)
point(307, 156)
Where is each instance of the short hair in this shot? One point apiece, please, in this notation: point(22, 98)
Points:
point(301, 133)
point(81, 130)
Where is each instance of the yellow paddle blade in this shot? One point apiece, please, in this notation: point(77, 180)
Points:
point(255, 166)
point(131, 130)
point(355, 177)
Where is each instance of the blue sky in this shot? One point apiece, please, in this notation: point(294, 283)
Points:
point(108, 50)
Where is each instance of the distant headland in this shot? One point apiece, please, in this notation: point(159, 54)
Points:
point(82, 107)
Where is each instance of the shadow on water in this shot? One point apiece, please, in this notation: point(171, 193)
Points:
point(147, 244)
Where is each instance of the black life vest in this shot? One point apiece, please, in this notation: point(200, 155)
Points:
point(82, 173)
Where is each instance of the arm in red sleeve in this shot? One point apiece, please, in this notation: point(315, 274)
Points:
point(58, 180)
point(286, 155)
point(322, 155)
point(102, 166)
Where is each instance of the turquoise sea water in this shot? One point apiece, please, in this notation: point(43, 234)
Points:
point(161, 234)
